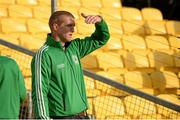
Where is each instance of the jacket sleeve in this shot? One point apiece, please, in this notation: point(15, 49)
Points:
point(96, 40)
point(22, 88)
point(40, 68)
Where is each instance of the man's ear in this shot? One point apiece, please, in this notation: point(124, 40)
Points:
point(55, 26)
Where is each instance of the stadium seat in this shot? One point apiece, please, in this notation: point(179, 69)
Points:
point(89, 82)
point(13, 25)
point(133, 42)
point(151, 14)
point(106, 13)
point(105, 63)
point(90, 110)
point(164, 80)
point(27, 2)
point(173, 28)
point(115, 27)
point(137, 80)
point(133, 27)
point(42, 11)
point(111, 3)
point(3, 11)
point(30, 42)
point(137, 106)
point(73, 10)
point(176, 57)
point(37, 26)
point(69, 3)
point(7, 2)
point(44, 2)
point(91, 3)
point(157, 42)
point(130, 13)
point(12, 38)
point(161, 59)
point(170, 97)
point(137, 59)
point(114, 44)
point(20, 11)
point(108, 105)
point(174, 42)
point(155, 27)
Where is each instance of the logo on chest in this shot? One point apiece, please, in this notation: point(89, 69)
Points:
point(60, 66)
point(75, 59)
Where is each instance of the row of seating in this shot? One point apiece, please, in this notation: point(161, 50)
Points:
point(130, 107)
point(137, 59)
point(69, 3)
point(153, 83)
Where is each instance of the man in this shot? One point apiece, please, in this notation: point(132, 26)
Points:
point(12, 88)
point(58, 89)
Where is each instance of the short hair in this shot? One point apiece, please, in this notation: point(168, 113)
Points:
point(54, 17)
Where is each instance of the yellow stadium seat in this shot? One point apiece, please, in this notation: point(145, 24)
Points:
point(136, 60)
point(138, 80)
point(20, 11)
point(30, 42)
point(114, 44)
point(155, 27)
point(27, 2)
point(151, 14)
point(13, 25)
point(133, 27)
point(91, 3)
point(137, 106)
point(130, 13)
point(69, 3)
point(28, 83)
point(176, 57)
point(90, 110)
point(90, 62)
point(108, 105)
point(45, 2)
point(115, 27)
point(42, 11)
point(73, 10)
point(157, 42)
point(106, 13)
point(174, 42)
point(105, 63)
point(173, 28)
point(3, 11)
point(132, 42)
point(12, 38)
point(111, 3)
point(161, 59)
point(8, 2)
point(35, 26)
point(164, 80)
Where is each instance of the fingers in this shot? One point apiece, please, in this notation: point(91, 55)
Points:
point(91, 19)
point(83, 15)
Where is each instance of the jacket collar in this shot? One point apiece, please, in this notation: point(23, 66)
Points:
point(51, 42)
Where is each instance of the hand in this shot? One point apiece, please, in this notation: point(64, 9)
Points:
point(91, 19)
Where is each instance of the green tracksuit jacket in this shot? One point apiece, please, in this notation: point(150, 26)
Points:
point(58, 87)
point(12, 88)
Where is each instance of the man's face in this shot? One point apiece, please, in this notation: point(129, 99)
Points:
point(65, 28)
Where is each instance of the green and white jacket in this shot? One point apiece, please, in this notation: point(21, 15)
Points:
point(58, 87)
point(12, 88)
